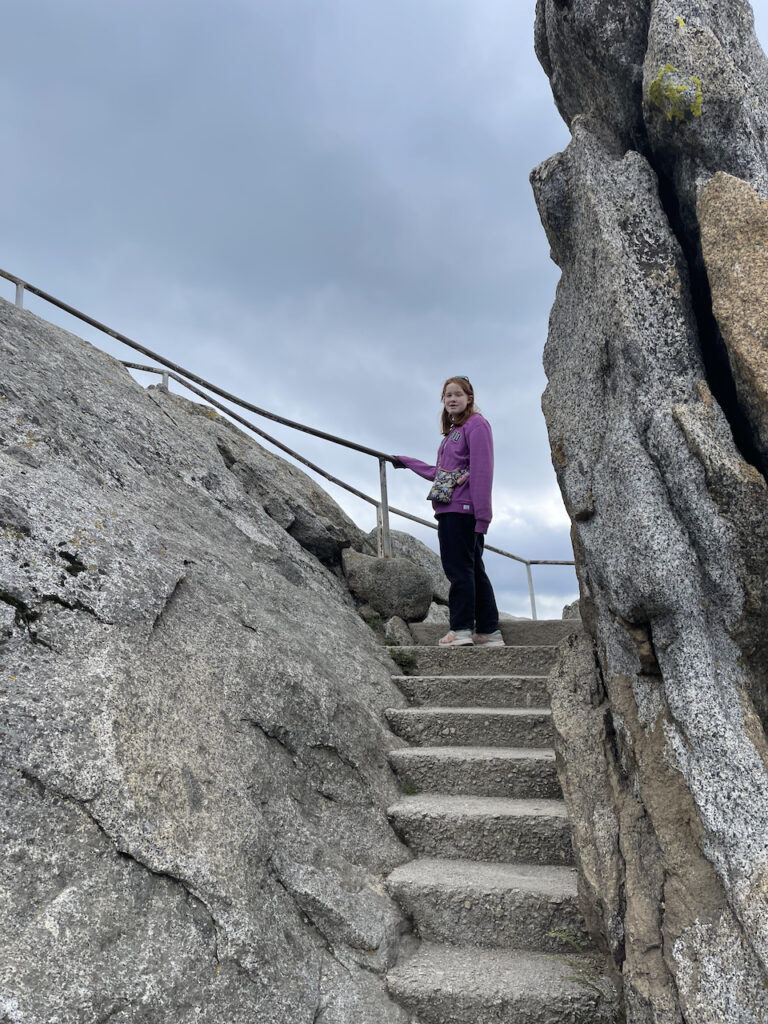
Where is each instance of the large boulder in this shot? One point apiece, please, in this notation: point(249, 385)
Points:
point(392, 586)
point(662, 708)
point(193, 773)
point(405, 545)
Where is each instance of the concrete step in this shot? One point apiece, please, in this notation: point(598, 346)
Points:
point(484, 828)
point(470, 903)
point(524, 632)
point(466, 985)
point(477, 771)
point(479, 691)
point(466, 727)
point(474, 661)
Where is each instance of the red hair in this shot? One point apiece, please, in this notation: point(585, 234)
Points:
point(446, 423)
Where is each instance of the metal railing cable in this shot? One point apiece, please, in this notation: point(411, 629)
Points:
point(22, 286)
point(252, 426)
point(315, 468)
point(184, 377)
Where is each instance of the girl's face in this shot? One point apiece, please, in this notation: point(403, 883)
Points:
point(455, 399)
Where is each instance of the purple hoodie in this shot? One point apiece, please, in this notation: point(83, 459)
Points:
point(469, 445)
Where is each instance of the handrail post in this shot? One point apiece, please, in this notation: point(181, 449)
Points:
point(530, 590)
point(20, 295)
point(382, 515)
point(165, 384)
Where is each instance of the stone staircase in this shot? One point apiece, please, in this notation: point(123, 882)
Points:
point(491, 891)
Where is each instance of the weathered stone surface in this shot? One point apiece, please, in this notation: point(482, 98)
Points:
point(643, 874)
point(571, 611)
point(734, 238)
point(596, 74)
point(288, 496)
point(396, 631)
point(583, 735)
point(393, 586)
point(404, 545)
point(469, 985)
point(486, 905)
point(193, 771)
point(669, 523)
point(704, 82)
point(437, 613)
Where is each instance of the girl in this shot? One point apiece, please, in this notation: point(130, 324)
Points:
point(463, 520)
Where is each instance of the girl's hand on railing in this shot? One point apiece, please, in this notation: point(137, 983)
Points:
point(396, 462)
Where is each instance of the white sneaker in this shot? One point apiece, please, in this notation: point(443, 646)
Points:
point(456, 638)
point(494, 639)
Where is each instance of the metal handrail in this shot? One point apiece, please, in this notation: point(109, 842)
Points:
point(22, 286)
point(183, 377)
point(317, 469)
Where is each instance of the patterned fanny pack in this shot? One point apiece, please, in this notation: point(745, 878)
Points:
point(446, 481)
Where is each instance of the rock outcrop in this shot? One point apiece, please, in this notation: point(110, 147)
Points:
point(391, 586)
point(404, 545)
point(193, 764)
point(655, 406)
point(733, 220)
point(289, 497)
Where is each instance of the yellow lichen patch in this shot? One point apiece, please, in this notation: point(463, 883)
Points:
point(677, 95)
point(11, 534)
point(680, 22)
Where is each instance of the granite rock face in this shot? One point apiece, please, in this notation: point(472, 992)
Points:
point(655, 405)
point(289, 497)
point(705, 79)
point(734, 234)
point(193, 775)
point(598, 74)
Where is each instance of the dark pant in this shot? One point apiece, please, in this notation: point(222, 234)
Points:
point(470, 599)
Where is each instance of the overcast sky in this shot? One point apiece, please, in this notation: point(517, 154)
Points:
point(322, 205)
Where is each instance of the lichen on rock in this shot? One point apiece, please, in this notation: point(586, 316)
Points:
point(677, 95)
